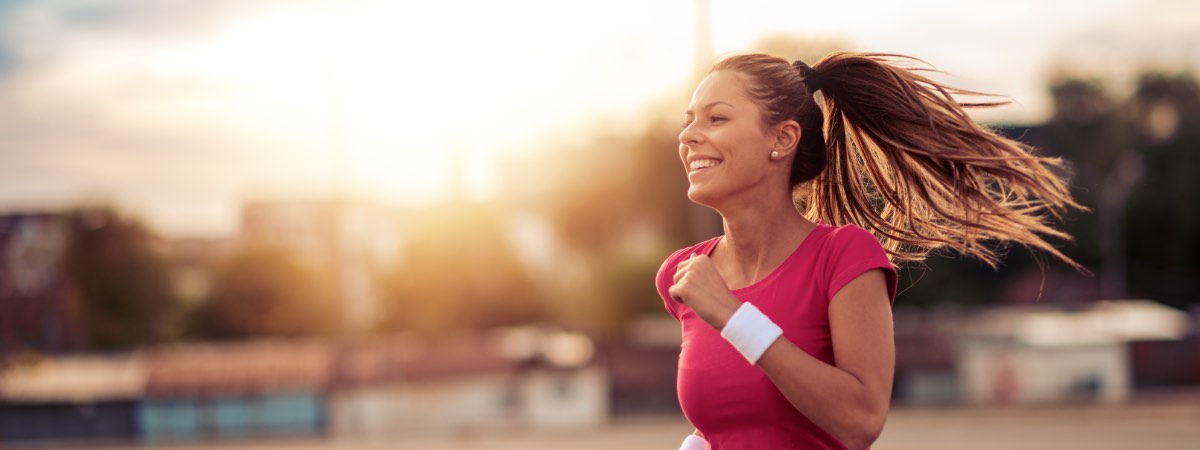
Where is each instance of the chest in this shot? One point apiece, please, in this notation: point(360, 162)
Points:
point(718, 388)
point(795, 302)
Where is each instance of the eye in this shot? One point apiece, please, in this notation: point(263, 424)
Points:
point(716, 119)
point(685, 124)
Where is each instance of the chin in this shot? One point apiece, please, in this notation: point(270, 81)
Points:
point(701, 196)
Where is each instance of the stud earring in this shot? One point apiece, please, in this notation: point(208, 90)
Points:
point(774, 155)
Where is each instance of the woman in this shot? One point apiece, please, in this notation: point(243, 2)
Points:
point(787, 327)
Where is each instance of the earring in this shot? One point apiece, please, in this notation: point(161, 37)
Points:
point(774, 155)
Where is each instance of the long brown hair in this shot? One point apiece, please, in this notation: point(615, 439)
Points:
point(896, 153)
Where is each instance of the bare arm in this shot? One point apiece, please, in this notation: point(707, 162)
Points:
point(850, 399)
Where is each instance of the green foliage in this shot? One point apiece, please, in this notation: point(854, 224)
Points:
point(1162, 223)
point(122, 281)
point(619, 181)
point(459, 271)
point(622, 209)
point(628, 283)
point(267, 292)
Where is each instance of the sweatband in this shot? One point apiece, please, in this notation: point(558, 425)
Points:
point(693, 442)
point(751, 332)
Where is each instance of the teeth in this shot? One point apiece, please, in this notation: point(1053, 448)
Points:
point(704, 163)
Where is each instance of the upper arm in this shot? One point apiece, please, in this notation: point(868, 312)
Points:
point(860, 322)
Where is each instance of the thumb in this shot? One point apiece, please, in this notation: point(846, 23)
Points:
point(676, 293)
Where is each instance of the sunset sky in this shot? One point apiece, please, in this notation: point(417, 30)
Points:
point(180, 110)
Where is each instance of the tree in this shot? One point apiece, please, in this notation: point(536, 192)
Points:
point(459, 272)
point(266, 292)
point(1161, 224)
point(122, 281)
point(1133, 162)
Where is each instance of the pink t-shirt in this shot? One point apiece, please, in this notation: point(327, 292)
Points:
point(733, 403)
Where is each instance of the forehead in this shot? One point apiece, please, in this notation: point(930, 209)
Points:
point(721, 86)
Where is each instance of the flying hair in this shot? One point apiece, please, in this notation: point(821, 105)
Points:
point(895, 152)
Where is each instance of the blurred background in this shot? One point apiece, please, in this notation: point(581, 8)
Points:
point(369, 224)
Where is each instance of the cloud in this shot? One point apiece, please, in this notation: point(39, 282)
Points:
point(178, 107)
point(88, 115)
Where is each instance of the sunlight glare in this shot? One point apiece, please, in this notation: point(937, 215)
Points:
point(394, 88)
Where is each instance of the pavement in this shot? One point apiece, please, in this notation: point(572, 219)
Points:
point(1167, 421)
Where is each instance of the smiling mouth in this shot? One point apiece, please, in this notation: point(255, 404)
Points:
point(703, 164)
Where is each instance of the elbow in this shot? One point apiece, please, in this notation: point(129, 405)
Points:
point(860, 442)
point(863, 433)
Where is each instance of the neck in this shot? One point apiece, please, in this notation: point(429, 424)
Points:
point(759, 236)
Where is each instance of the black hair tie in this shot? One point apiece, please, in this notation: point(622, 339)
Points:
point(809, 76)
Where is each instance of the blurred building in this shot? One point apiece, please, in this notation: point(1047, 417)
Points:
point(71, 397)
point(925, 355)
point(510, 379)
point(1102, 351)
point(35, 291)
point(644, 365)
point(350, 239)
point(520, 379)
point(234, 391)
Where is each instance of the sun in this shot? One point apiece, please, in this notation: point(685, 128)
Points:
point(403, 95)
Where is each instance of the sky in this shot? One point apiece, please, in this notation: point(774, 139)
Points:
point(178, 111)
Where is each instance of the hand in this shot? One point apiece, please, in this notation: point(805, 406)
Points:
point(700, 286)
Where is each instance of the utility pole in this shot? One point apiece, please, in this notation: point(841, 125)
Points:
point(702, 46)
point(1114, 194)
point(705, 222)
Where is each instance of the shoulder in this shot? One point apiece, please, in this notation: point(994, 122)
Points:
point(684, 253)
point(848, 252)
point(667, 272)
point(851, 233)
point(849, 241)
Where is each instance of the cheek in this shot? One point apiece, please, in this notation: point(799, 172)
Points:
point(738, 144)
point(755, 144)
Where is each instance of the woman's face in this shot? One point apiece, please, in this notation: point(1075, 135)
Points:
point(724, 145)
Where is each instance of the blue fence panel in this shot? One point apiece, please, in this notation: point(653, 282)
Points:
point(174, 419)
point(232, 416)
point(292, 413)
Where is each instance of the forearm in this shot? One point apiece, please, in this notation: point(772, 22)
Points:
point(845, 406)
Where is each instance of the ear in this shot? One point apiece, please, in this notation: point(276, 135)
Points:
point(787, 136)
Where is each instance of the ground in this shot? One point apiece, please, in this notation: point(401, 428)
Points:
point(1165, 421)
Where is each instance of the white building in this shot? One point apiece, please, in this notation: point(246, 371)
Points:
point(1045, 354)
point(477, 384)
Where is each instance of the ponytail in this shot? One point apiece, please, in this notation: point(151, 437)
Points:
point(901, 158)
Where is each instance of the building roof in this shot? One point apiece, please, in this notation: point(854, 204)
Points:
point(254, 367)
point(234, 368)
point(74, 379)
point(1102, 322)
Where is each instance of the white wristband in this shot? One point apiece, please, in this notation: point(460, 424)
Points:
point(693, 442)
point(751, 332)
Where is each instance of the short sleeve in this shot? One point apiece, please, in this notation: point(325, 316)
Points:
point(666, 274)
point(665, 278)
point(855, 252)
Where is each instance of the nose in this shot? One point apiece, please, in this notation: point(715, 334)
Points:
point(689, 136)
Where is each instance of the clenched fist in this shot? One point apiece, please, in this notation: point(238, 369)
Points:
point(700, 286)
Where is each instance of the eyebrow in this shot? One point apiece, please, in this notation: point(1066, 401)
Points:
point(710, 105)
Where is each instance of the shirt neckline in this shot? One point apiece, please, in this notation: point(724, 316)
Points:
point(822, 228)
